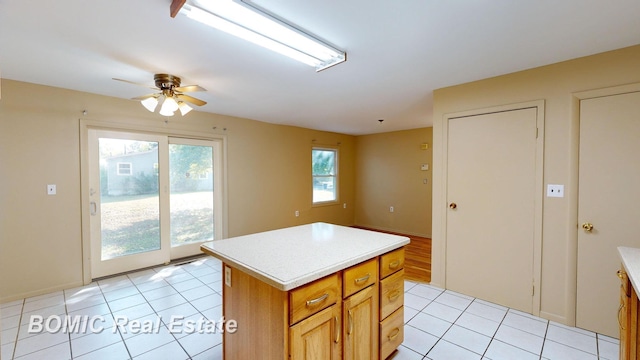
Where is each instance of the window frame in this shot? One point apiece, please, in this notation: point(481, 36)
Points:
point(335, 176)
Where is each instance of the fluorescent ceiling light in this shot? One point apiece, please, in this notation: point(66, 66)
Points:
point(250, 23)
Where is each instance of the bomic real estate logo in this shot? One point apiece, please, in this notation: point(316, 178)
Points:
point(82, 324)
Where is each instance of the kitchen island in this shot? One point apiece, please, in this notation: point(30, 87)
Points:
point(316, 291)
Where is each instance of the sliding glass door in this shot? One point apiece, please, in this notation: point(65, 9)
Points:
point(152, 199)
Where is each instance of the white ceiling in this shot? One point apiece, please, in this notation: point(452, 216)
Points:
point(398, 52)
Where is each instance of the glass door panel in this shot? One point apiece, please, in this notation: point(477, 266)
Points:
point(126, 220)
point(192, 180)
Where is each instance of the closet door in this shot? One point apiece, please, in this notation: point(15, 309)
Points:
point(491, 199)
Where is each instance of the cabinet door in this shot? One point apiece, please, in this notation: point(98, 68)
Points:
point(361, 324)
point(317, 337)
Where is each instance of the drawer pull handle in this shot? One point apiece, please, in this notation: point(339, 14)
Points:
point(337, 329)
point(317, 300)
point(619, 313)
point(394, 295)
point(394, 264)
point(394, 334)
point(350, 327)
point(362, 279)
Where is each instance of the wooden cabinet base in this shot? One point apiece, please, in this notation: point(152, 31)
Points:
point(335, 317)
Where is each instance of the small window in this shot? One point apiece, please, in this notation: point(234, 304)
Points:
point(124, 169)
point(324, 164)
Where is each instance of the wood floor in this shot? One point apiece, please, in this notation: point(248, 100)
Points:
point(417, 262)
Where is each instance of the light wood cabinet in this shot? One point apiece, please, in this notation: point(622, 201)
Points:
point(391, 302)
point(355, 313)
point(318, 337)
point(628, 319)
point(360, 324)
point(391, 332)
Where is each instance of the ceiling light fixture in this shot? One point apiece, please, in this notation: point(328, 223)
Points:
point(251, 23)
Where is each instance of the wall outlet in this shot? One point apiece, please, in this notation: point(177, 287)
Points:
point(390, 208)
point(554, 190)
point(344, 206)
point(227, 276)
point(51, 189)
point(297, 213)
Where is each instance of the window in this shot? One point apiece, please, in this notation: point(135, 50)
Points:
point(324, 164)
point(124, 168)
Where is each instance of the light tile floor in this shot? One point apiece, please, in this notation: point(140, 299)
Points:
point(439, 324)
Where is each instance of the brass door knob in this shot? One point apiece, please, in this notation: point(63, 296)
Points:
point(453, 206)
point(587, 226)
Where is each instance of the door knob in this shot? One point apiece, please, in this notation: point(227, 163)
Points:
point(587, 226)
point(453, 206)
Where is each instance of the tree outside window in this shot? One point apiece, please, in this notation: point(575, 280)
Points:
point(324, 172)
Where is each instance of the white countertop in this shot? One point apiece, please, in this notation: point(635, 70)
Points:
point(631, 262)
point(291, 257)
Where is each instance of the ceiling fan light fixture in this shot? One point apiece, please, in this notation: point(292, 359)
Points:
point(150, 103)
point(169, 106)
point(184, 108)
point(252, 24)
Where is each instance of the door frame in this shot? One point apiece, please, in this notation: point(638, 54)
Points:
point(440, 255)
point(573, 193)
point(145, 127)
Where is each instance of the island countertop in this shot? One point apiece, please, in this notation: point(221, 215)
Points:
point(631, 262)
point(291, 257)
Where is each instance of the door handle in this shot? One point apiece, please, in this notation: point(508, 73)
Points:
point(93, 208)
point(453, 206)
point(587, 226)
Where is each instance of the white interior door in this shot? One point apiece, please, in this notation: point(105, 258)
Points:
point(609, 194)
point(491, 193)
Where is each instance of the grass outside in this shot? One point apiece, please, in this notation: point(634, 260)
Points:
point(130, 224)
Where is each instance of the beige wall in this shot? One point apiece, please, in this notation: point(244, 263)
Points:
point(388, 174)
point(41, 236)
point(554, 84)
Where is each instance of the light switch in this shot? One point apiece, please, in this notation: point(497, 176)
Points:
point(51, 189)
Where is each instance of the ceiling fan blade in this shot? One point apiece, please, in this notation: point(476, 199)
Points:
point(189, 88)
point(191, 99)
point(145, 96)
point(135, 83)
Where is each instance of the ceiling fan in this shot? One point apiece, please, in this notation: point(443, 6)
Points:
point(171, 95)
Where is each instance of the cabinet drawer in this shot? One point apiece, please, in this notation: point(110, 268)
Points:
point(391, 262)
point(391, 333)
point(359, 277)
point(311, 298)
point(391, 294)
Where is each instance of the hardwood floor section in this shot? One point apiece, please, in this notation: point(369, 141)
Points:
point(417, 256)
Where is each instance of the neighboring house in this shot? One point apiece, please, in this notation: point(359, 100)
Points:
point(130, 174)
point(137, 173)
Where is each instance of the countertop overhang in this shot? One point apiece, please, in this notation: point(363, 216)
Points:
point(291, 257)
